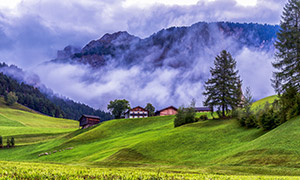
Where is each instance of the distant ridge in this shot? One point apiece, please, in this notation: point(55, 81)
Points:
point(127, 49)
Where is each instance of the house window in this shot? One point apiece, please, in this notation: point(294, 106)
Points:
point(135, 112)
point(130, 117)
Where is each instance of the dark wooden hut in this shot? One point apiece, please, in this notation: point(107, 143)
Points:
point(88, 120)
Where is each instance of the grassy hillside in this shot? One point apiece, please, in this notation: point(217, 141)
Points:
point(28, 126)
point(219, 146)
point(261, 103)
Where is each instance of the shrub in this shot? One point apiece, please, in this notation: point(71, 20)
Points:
point(184, 116)
point(203, 117)
point(235, 113)
point(247, 119)
point(12, 142)
point(8, 143)
point(289, 104)
point(1, 142)
point(268, 118)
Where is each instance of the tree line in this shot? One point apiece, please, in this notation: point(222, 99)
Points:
point(28, 96)
point(50, 105)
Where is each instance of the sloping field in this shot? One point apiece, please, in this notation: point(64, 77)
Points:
point(28, 126)
point(217, 146)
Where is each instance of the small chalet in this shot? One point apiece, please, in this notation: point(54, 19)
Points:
point(88, 120)
point(171, 110)
point(203, 109)
point(137, 112)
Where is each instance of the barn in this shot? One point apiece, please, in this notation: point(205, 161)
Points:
point(171, 110)
point(204, 109)
point(137, 112)
point(88, 120)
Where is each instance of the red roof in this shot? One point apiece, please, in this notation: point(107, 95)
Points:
point(172, 107)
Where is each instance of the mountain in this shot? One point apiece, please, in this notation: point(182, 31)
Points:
point(167, 68)
point(173, 42)
point(35, 95)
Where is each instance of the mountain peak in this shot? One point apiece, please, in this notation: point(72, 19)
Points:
point(121, 36)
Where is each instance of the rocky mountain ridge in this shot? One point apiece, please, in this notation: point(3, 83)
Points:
point(175, 42)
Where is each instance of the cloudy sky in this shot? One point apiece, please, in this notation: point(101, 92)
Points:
point(32, 31)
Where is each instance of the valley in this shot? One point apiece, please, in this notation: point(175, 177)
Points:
point(149, 144)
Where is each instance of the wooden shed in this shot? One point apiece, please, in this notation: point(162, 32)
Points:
point(88, 120)
point(171, 110)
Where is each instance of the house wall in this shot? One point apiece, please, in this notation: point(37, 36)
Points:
point(92, 121)
point(137, 113)
point(83, 121)
point(87, 122)
point(169, 111)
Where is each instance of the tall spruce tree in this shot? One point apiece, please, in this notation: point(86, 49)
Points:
point(288, 49)
point(223, 90)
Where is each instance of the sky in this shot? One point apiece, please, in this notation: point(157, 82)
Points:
point(32, 31)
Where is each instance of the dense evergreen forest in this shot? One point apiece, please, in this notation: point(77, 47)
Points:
point(47, 104)
point(29, 96)
point(74, 110)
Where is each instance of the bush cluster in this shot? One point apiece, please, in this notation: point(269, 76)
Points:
point(184, 116)
point(272, 115)
point(202, 117)
point(267, 118)
point(245, 118)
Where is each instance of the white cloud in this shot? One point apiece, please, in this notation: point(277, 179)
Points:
point(11, 4)
point(256, 69)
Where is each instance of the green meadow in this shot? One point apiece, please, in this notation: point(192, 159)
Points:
point(146, 148)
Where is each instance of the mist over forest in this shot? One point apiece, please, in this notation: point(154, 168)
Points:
point(166, 68)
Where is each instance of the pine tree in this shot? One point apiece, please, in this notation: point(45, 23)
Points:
point(288, 49)
point(223, 90)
